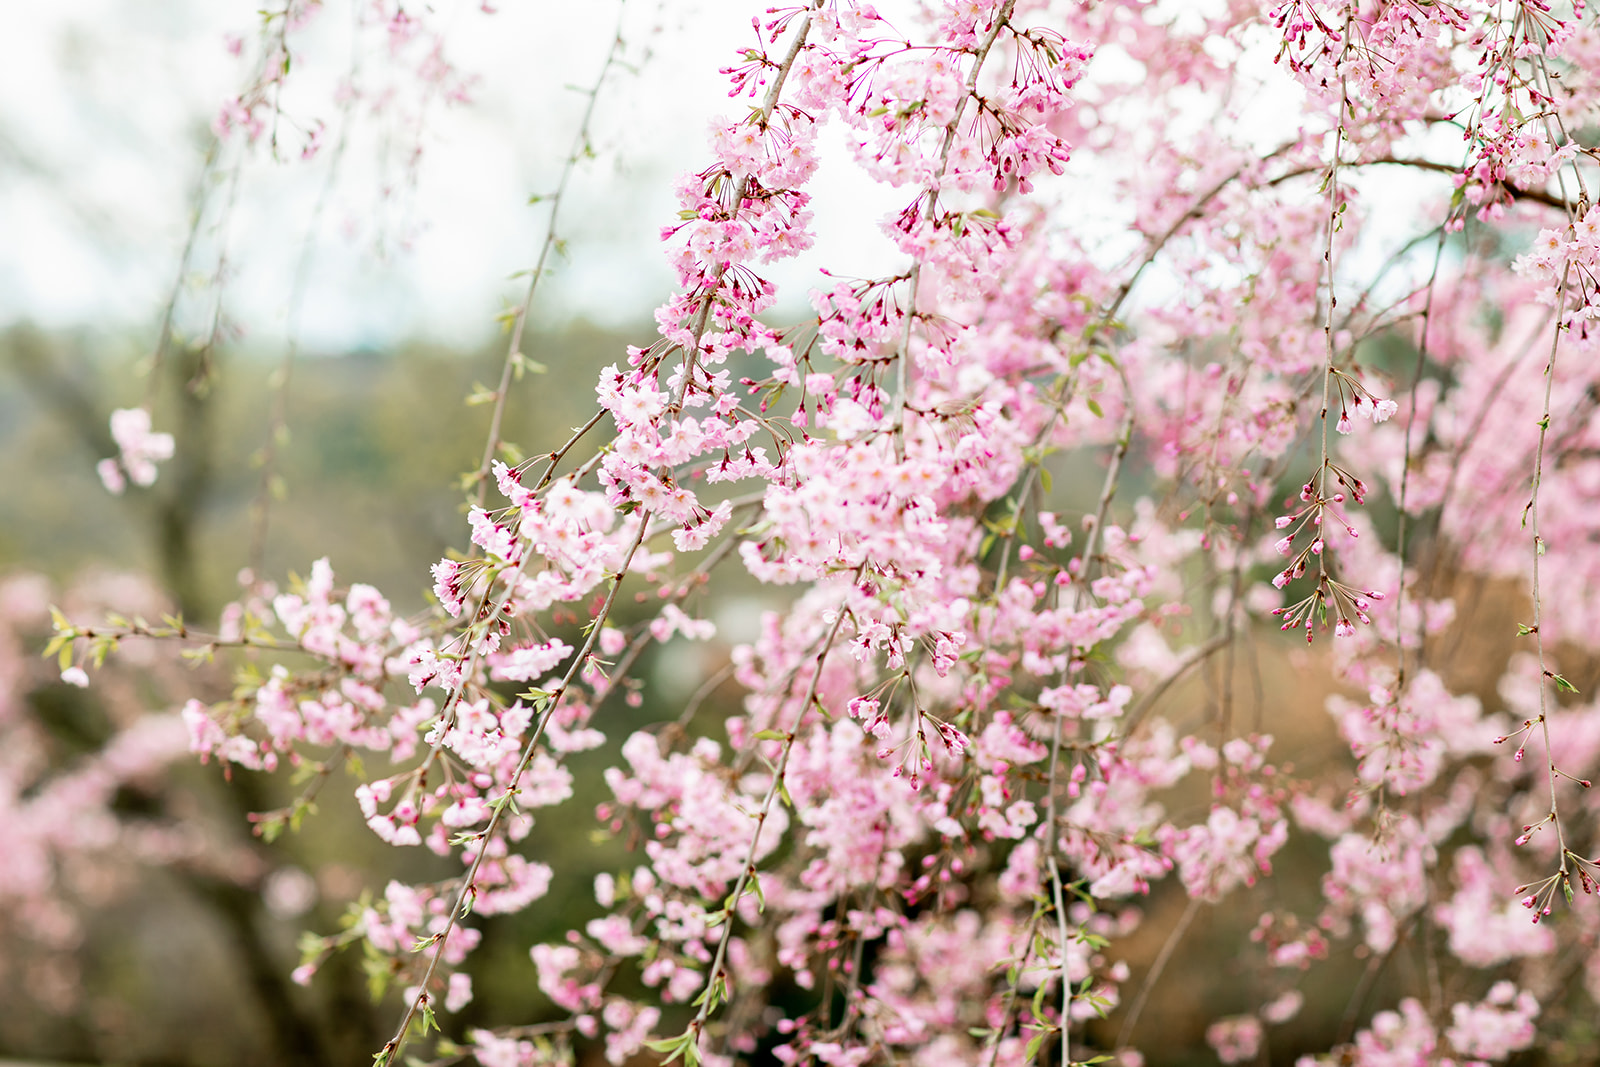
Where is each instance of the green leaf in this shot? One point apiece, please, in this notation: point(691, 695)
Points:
point(522, 364)
point(1094, 406)
point(310, 946)
point(376, 966)
point(270, 827)
point(1033, 1046)
point(1038, 1002)
point(684, 1045)
point(1562, 683)
point(197, 656)
point(64, 632)
point(772, 735)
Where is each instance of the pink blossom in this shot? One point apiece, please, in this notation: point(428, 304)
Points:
point(1236, 1039)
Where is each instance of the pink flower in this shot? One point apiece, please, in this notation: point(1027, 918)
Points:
point(140, 449)
point(1235, 1039)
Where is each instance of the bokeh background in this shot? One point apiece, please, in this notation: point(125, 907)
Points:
point(165, 934)
point(146, 262)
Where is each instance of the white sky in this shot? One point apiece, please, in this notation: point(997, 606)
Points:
point(102, 110)
point(104, 103)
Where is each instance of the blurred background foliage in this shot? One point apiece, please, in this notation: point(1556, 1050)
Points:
point(180, 954)
point(190, 964)
point(187, 962)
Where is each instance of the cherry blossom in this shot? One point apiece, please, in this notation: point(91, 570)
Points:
point(966, 742)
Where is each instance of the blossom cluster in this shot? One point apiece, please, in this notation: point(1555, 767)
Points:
point(985, 717)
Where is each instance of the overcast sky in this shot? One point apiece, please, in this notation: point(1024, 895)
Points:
point(102, 137)
point(105, 104)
